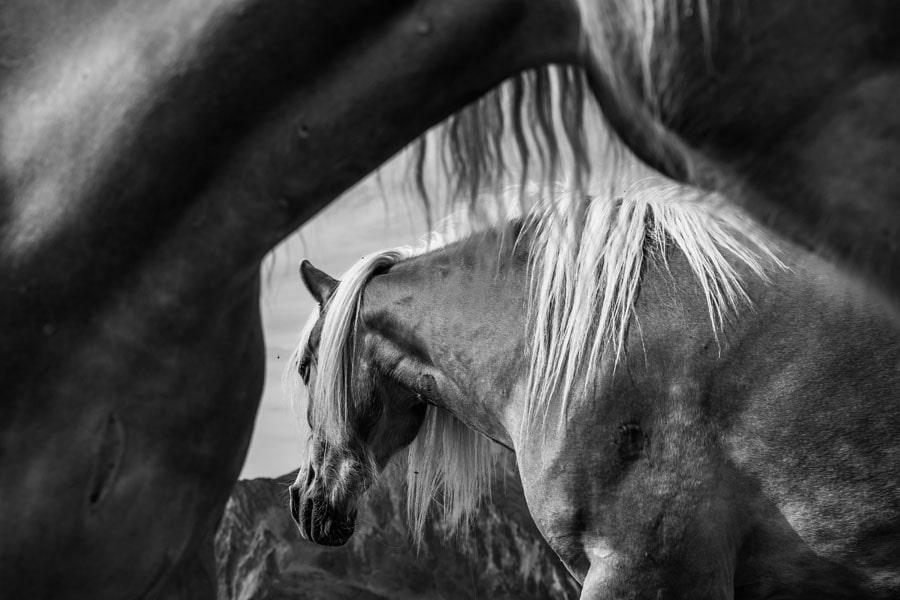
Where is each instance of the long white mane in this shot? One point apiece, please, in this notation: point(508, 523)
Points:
point(586, 268)
point(548, 116)
point(586, 261)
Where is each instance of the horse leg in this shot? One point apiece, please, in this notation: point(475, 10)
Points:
point(699, 566)
point(715, 541)
point(602, 583)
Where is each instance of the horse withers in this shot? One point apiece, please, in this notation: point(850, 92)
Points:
point(695, 412)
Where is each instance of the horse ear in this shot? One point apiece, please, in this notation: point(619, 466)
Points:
point(319, 283)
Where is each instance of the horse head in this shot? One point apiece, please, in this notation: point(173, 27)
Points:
point(355, 430)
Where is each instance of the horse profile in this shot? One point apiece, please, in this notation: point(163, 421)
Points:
point(696, 412)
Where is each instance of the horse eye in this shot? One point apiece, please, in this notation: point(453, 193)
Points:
point(304, 370)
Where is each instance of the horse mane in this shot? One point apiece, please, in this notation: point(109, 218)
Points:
point(538, 118)
point(586, 261)
point(645, 32)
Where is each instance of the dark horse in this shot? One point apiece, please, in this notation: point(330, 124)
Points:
point(695, 413)
point(151, 154)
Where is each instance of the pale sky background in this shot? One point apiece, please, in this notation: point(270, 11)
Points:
point(372, 216)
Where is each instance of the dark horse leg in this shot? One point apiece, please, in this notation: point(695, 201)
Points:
point(151, 153)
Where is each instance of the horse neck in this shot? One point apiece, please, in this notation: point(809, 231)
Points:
point(461, 313)
point(190, 127)
point(464, 309)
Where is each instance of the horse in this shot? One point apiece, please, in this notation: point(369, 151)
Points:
point(151, 154)
point(696, 410)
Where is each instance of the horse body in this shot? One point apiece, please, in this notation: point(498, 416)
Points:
point(150, 156)
point(758, 462)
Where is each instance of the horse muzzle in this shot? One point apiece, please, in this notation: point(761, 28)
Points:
point(318, 520)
